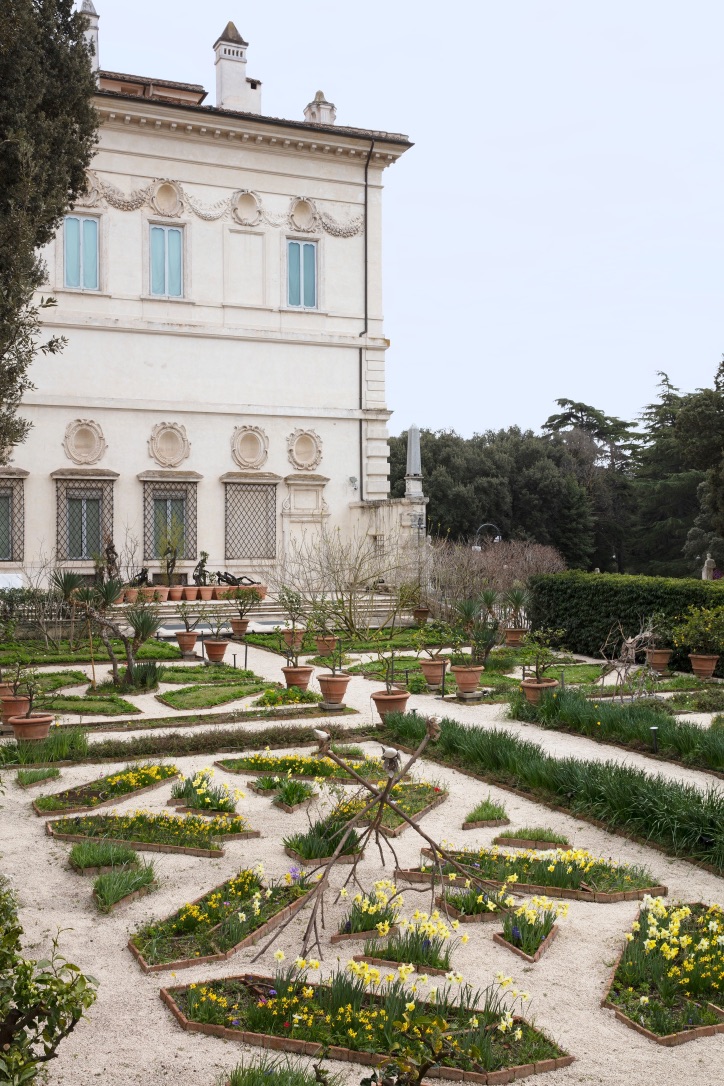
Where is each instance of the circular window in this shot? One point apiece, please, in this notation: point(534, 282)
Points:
point(84, 442)
point(304, 448)
point(247, 209)
point(249, 446)
point(303, 215)
point(168, 444)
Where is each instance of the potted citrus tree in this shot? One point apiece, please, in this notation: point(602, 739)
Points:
point(321, 622)
point(392, 699)
point(294, 609)
point(334, 683)
point(190, 616)
point(30, 725)
point(702, 633)
point(516, 602)
point(538, 653)
point(244, 600)
point(462, 664)
point(216, 645)
point(431, 639)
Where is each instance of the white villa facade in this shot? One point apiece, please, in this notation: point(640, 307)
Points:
point(219, 287)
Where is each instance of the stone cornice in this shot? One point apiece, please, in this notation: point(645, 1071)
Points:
point(169, 476)
point(84, 473)
point(13, 473)
point(250, 477)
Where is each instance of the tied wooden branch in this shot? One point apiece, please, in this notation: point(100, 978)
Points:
point(380, 800)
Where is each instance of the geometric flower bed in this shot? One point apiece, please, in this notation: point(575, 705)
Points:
point(234, 915)
point(530, 929)
point(191, 834)
point(299, 765)
point(420, 941)
point(369, 912)
point(572, 873)
point(668, 983)
point(133, 779)
point(197, 793)
point(470, 904)
point(414, 797)
point(359, 1017)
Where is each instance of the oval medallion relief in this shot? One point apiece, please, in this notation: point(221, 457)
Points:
point(168, 444)
point(249, 446)
point(84, 442)
point(304, 449)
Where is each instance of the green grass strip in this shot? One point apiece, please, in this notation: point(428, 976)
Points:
point(86, 705)
point(206, 697)
point(110, 888)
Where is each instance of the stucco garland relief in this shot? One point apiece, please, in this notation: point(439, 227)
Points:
point(168, 197)
point(304, 449)
point(84, 442)
point(168, 444)
point(249, 446)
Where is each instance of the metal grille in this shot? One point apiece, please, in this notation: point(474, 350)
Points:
point(84, 519)
point(181, 500)
point(12, 518)
point(251, 520)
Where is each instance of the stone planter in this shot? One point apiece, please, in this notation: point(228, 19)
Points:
point(293, 639)
point(658, 659)
point(421, 615)
point(186, 640)
point(385, 703)
point(433, 670)
point(333, 687)
point(32, 727)
point(325, 645)
point(298, 676)
point(467, 678)
point(176, 592)
point(514, 636)
point(239, 626)
point(533, 689)
point(703, 665)
point(215, 650)
point(130, 595)
point(13, 705)
point(206, 592)
point(191, 591)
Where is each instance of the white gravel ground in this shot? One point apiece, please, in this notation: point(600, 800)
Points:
point(130, 1039)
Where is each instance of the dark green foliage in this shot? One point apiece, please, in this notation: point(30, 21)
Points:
point(587, 605)
point(682, 819)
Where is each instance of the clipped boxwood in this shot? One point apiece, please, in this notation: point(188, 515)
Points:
point(587, 605)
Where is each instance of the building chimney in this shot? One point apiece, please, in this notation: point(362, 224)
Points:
point(234, 90)
point(91, 34)
point(320, 111)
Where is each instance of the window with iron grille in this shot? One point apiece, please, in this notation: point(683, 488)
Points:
point(11, 520)
point(84, 518)
point(169, 513)
point(251, 520)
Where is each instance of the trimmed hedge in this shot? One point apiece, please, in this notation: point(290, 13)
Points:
point(587, 605)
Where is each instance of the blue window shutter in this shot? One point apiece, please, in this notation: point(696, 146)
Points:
point(174, 242)
point(90, 254)
point(72, 251)
point(294, 273)
point(310, 276)
point(158, 260)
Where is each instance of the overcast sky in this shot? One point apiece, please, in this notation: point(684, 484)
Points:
point(556, 229)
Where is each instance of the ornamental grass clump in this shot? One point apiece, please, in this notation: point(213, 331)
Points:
point(487, 811)
point(424, 940)
point(200, 793)
point(113, 886)
point(672, 967)
point(410, 796)
point(378, 909)
point(275, 1072)
point(27, 777)
point(62, 745)
point(91, 854)
point(129, 780)
point(221, 919)
point(568, 869)
point(530, 925)
point(537, 833)
point(322, 838)
point(359, 1009)
point(189, 831)
point(293, 792)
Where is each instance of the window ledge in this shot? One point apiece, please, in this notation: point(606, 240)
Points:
point(165, 298)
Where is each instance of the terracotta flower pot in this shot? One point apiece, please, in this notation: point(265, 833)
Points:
point(533, 689)
point(514, 636)
point(325, 645)
point(119, 599)
point(297, 676)
point(146, 592)
point(293, 639)
point(433, 670)
point(36, 726)
point(333, 687)
point(161, 592)
point(467, 678)
point(421, 615)
point(261, 589)
point(703, 664)
point(13, 705)
point(239, 626)
point(130, 595)
point(385, 703)
point(191, 591)
point(215, 650)
point(186, 640)
point(658, 659)
point(176, 592)
point(6, 689)
point(206, 592)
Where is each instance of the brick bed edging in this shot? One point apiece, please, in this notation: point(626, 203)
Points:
point(133, 896)
point(524, 842)
point(469, 918)
point(350, 936)
point(149, 846)
point(669, 1040)
point(348, 858)
point(249, 940)
point(532, 958)
point(482, 823)
point(414, 817)
point(347, 1055)
point(104, 802)
point(387, 964)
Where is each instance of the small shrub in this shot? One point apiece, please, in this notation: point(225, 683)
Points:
point(291, 792)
